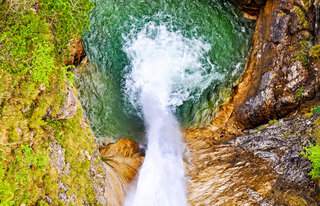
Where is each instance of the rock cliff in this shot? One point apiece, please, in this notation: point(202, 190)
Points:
point(230, 165)
point(280, 76)
point(260, 167)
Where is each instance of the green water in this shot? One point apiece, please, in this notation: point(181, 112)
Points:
point(101, 86)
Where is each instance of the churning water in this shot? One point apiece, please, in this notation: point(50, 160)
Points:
point(155, 65)
point(166, 68)
point(212, 31)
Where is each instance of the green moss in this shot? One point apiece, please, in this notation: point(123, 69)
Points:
point(307, 115)
point(316, 110)
point(20, 175)
point(298, 95)
point(287, 134)
point(306, 4)
point(313, 152)
point(33, 45)
point(297, 124)
point(260, 128)
point(72, 136)
point(303, 20)
point(280, 15)
point(42, 203)
point(315, 51)
point(302, 54)
point(68, 20)
point(295, 200)
point(272, 122)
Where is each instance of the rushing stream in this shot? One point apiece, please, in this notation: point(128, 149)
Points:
point(155, 66)
point(218, 25)
point(164, 67)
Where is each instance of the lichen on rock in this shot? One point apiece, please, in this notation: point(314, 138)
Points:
point(263, 166)
point(283, 42)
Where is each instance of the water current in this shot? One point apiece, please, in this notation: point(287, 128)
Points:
point(155, 67)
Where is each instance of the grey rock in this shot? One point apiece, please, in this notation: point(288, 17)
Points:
point(57, 157)
point(280, 144)
point(98, 177)
point(70, 105)
point(48, 200)
point(280, 27)
point(67, 109)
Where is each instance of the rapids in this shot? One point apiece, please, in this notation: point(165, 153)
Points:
point(156, 67)
point(216, 30)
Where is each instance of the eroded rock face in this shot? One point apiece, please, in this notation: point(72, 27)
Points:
point(95, 173)
point(123, 160)
point(68, 108)
point(280, 144)
point(262, 167)
point(279, 76)
point(251, 8)
point(77, 53)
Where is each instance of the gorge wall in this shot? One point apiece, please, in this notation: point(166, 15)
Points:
point(280, 75)
point(230, 165)
point(249, 154)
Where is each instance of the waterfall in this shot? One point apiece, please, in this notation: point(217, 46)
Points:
point(140, 41)
point(166, 69)
point(156, 66)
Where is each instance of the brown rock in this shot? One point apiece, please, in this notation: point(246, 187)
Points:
point(77, 53)
point(123, 159)
point(262, 167)
point(278, 80)
point(251, 8)
point(279, 77)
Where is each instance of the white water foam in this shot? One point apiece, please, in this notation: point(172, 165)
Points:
point(166, 70)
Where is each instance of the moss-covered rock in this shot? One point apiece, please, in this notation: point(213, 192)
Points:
point(48, 152)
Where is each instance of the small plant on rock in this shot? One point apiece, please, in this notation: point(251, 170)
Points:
point(316, 110)
point(302, 54)
point(313, 154)
point(315, 52)
point(298, 95)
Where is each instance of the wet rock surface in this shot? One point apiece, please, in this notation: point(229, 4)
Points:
point(77, 53)
point(261, 167)
point(251, 8)
point(280, 76)
point(122, 162)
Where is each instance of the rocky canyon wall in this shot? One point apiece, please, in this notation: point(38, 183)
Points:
point(228, 162)
point(230, 165)
point(280, 75)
